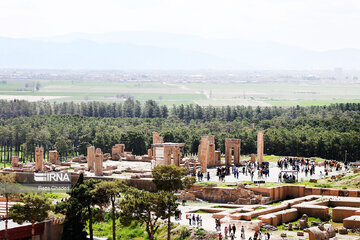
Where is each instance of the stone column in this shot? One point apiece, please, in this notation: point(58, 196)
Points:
point(91, 157)
point(177, 155)
point(156, 137)
point(39, 158)
point(167, 155)
point(211, 155)
point(14, 161)
point(99, 162)
point(260, 146)
point(150, 153)
point(227, 152)
point(122, 148)
point(202, 154)
point(54, 157)
point(237, 153)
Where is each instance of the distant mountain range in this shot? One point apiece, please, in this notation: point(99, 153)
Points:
point(163, 51)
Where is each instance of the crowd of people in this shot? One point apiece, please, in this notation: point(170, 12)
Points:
point(194, 220)
point(230, 232)
point(247, 169)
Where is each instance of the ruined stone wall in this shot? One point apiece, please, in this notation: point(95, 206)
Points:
point(293, 191)
point(117, 151)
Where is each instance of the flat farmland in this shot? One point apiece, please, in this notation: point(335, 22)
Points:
point(215, 94)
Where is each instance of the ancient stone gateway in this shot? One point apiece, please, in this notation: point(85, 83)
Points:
point(99, 162)
point(39, 158)
point(167, 153)
point(206, 153)
point(260, 147)
point(54, 157)
point(229, 145)
point(91, 157)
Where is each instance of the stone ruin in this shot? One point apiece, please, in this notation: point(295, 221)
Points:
point(99, 158)
point(322, 232)
point(157, 138)
point(260, 146)
point(39, 159)
point(118, 151)
point(15, 161)
point(231, 144)
point(206, 153)
point(91, 157)
point(167, 153)
point(54, 157)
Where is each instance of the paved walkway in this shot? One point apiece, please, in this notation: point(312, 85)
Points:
point(274, 174)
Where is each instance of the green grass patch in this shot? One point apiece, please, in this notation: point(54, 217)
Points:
point(258, 208)
point(202, 211)
point(55, 195)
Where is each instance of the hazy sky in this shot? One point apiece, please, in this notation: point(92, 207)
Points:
point(313, 24)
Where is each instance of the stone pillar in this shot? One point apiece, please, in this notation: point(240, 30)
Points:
point(202, 154)
point(14, 161)
point(150, 153)
point(156, 137)
point(253, 158)
point(39, 158)
point(260, 146)
point(217, 157)
point(167, 155)
point(211, 151)
point(211, 155)
point(237, 153)
point(91, 157)
point(54, 157)
point(177, 155)
point(99, 162)
point(227, 152)
point(122, 148)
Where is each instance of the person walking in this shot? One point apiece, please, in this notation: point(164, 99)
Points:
point(220, 236)
point(242, 232)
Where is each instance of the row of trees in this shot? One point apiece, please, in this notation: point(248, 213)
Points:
point(70, 135)
point(151, 109)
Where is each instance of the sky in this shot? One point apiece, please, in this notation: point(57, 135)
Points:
point(311, 24)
